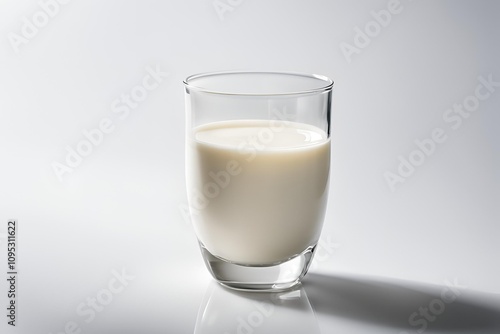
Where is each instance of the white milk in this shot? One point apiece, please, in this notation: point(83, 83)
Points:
point(259, 188)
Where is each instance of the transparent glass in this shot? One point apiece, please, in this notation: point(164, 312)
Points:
point(257, 172)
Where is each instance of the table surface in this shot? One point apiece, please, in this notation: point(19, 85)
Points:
point(104, 242)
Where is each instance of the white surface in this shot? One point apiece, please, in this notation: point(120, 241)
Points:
point(122, 206)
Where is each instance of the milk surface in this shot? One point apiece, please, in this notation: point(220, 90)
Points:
point(257, 188)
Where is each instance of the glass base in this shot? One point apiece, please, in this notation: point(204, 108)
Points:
point(275, 277)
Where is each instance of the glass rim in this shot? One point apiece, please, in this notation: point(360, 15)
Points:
point(328, 83)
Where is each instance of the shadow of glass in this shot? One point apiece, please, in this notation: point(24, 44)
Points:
point(226, 311)
point(408, 306)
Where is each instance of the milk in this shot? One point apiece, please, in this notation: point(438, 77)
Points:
point(257, 188)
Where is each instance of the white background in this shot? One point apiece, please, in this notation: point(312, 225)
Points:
point(123, 207)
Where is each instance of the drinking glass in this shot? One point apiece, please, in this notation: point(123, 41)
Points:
point(257, 173)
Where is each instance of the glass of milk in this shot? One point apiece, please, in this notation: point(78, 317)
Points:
point(257, 172)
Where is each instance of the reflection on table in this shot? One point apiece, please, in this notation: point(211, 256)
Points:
point(226, 311)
